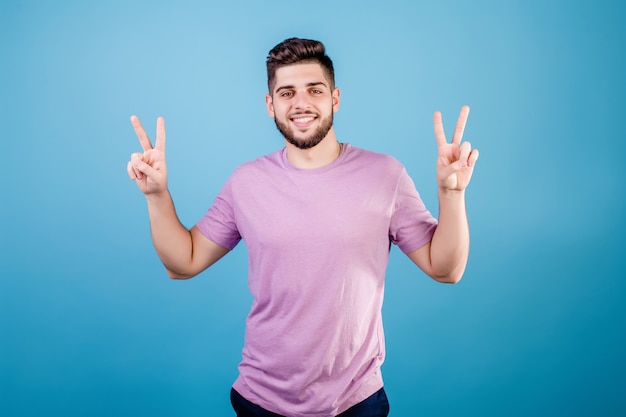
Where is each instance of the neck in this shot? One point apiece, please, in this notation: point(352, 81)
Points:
point(318, 156)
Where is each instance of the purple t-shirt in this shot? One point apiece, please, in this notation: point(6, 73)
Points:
point(318, 242)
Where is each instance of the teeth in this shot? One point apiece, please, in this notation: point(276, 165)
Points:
point(303, 119)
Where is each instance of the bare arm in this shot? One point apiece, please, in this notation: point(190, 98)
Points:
point(445, 257)
point(184, 253)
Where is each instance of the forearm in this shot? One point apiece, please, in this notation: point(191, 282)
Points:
point(449, 248)
point(171, 239)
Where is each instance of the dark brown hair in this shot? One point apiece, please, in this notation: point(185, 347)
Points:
point(298, 51)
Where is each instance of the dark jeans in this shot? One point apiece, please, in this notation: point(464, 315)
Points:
point(376, 405)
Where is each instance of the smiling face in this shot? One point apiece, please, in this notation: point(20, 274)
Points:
point(302, 104)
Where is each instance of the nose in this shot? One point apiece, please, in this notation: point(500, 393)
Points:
point(302, 101)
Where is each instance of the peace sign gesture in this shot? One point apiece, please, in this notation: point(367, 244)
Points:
point(148, 169)
point(455, 160)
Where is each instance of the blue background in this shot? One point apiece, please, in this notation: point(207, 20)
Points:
point(91, 326)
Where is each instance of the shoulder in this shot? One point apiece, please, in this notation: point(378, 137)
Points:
point(372, 160)
point(263, 165)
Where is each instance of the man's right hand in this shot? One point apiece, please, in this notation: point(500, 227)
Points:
point(148, 169)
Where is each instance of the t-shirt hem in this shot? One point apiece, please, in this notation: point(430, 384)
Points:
point(369, 387)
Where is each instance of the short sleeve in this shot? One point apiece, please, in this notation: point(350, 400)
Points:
point(412, 225)
point(218, 224)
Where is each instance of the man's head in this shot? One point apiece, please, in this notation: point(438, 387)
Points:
point(298, 51)
point(302, 94)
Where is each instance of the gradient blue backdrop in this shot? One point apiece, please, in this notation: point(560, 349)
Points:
point(91, 326)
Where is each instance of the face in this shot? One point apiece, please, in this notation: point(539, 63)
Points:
point(302, 104)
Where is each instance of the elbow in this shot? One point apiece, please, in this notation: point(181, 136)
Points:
point(448, 279)
point(449, 273)
point(449, 276)
point(176, 275)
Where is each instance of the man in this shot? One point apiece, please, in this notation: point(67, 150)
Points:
point(318, 218)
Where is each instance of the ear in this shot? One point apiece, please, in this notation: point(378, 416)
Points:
point(270, 105)
point(336, 99)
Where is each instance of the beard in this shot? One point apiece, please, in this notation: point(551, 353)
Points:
point(309, 141)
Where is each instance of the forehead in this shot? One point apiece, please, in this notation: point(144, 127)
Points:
point(300, 75)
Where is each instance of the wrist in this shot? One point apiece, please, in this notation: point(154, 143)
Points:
point(448, 194)
point(158, 196)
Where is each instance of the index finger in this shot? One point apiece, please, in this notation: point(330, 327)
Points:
point(160, 134)
point(460, 125)
point(439, 134)
point(146, 145)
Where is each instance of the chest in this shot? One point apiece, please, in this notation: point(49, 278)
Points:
point(292, 211)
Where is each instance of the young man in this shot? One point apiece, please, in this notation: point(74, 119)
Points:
point(318, 218)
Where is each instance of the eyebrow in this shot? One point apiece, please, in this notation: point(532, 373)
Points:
point(290, 87)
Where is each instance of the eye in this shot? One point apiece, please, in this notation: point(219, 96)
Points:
point(286, 94)
point(316, 91)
